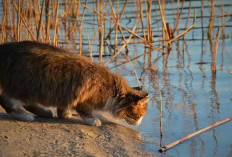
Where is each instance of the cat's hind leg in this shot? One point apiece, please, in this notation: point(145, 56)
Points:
point(15, 108)
point(5, 104)
point(38, 110)
point(63, 113)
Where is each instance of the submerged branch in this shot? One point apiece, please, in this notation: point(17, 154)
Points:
point(165, 148)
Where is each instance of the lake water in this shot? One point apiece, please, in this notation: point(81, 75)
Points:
point(191, 95)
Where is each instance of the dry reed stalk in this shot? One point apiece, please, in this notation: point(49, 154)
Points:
point(120, 29)
point(24, 22)
point(26, 15)
point(48, 21)
point(77, 12)
point(18, 20)
point(117, 19)
point(163, 16)
point(101, 32)
point(123, 9)
point(140, 4)
point(109, 60)
point(30, 19)
point(148, 14)
point(56, 23)
point(80, 41)
point(14, 22)
point(4, 21)
point(178, 16)
point(223, 24)
point(189, 11)
point(161, 111)
point(10, 14)
point(80, 27)
point(223, 20)
point(183, 33)
point(40, 20)
point(66, 14)
point(90, 47)
point(194, 134)
point(170, 31)
point(211, 22)
point(116, 26)
point(214, 47)
point(37, 13)
point(127, 29)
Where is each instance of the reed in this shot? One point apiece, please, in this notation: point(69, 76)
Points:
point(213, 48)
point(211, 20)
point(140, 4)
point(164, 23)
point(213, 44)
point(101, 31)
point(42, 20)
point(48, 21)
point(18, 20)
point(90, 46)
point(4, 21)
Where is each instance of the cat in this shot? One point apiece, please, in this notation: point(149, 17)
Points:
point(34, 76)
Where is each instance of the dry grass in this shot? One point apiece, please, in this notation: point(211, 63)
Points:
point(67, 23)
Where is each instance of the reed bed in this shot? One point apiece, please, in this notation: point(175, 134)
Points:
point(97, 28)
point(58, 22)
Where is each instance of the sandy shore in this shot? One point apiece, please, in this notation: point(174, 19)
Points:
point(56, 137)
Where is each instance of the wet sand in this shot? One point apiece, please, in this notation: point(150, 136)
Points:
point(57, 137)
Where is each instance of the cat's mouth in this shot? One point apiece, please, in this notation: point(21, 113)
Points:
point(132, 121)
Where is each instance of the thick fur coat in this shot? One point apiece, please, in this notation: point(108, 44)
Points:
point(34, 75)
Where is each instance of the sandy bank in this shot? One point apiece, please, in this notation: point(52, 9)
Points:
point(56, 137)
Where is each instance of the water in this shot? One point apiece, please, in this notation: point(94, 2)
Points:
point(193, 97)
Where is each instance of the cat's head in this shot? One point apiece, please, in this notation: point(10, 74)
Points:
point(133, 107)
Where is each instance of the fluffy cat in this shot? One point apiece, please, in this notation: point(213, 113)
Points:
point(34, 76)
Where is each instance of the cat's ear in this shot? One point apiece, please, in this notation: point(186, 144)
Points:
point(144, 100)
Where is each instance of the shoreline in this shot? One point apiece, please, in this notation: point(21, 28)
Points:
point(58, 137)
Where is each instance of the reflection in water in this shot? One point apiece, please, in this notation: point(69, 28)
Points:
point(214, 107)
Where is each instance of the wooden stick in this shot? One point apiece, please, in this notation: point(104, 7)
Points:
point(165, 148)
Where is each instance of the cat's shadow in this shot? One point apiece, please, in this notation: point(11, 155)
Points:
point(74, 120)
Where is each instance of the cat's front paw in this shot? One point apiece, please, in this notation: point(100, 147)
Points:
point(92, 121)
point(24, 116)
point(97, 122)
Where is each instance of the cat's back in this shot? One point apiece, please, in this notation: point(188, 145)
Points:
point(32, 55)
point(27, 46)
point(31, 51)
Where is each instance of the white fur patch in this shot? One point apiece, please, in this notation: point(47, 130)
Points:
point(92, 121)
point(19, 113)
point(108, 116)
point(139, 121)
point(16, 103)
